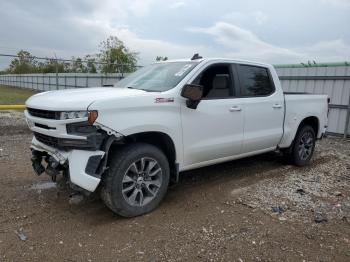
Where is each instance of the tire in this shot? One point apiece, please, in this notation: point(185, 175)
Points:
point(303, 146)
point(136, 181)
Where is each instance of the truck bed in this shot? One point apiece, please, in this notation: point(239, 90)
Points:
point(297, 107)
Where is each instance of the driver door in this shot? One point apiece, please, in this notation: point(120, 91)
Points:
point(214, 130)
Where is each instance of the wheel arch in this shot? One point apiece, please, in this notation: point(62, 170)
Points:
point(312, 121)
point(289, 137)
point(160, 140)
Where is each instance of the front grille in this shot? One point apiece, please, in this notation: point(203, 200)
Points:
point(92, 142)
point(47, 140)
point(44, 113)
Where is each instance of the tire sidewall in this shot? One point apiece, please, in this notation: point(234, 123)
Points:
point(135, 153)
point(296, 157)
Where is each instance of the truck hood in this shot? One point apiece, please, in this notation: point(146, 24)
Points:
point(78, 99)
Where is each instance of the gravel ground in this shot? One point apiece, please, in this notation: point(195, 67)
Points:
point(255, 209)
point(12, 122)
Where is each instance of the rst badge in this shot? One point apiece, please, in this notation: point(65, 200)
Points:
point(164, 100)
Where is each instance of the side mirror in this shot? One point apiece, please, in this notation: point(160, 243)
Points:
point(193, 93)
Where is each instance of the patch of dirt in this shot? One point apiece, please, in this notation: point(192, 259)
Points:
point(12, 122)
point(255, 209)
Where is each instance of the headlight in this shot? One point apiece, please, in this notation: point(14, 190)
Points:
point(73, 114)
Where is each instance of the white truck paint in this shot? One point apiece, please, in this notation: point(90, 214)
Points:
point(218, 130)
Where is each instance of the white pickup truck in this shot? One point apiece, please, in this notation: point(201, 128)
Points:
point(130, 140)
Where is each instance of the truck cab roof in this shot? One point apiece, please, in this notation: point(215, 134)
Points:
point(218, 59)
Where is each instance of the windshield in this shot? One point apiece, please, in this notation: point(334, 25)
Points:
point(157, 77)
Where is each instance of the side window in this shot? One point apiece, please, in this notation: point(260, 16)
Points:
point(216, 81)
point(255, 81)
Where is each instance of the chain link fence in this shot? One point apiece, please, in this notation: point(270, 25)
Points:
point(52, 81)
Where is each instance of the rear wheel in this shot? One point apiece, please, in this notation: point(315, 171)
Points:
point(136, 181)
point(303, 146)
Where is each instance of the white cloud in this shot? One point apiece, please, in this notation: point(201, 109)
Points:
point(120, 10)
point(241, 43)
point(178, 4)
point(260, 17)
point(141, 7)
point(340, 3)
point(257, 16)
point(149, 49)
point(327, 51)
point(235, 17)
point(231, 41)
point(105, 10)
point(154, 27)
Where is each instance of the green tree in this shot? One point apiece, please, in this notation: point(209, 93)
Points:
point(90, 64)
point(50, 66)
point(25, 63)
point(77, 66)
point(161, 58)
point(116, 57)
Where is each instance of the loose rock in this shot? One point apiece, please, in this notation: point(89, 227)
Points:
point(320, 217)
point(21, 235)
point(76, 199)
point(278, 210)
point(301, 191)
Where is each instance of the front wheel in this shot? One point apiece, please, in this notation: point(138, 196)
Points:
point(303, 146)
point(136, 181)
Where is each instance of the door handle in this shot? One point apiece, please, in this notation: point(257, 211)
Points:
point(277, 106)
point(235, 109)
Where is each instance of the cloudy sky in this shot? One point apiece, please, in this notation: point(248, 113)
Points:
point(275, 31)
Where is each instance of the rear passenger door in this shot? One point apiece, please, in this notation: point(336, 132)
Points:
point(263, 108)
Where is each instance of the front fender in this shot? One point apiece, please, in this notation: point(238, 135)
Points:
point(142, 114)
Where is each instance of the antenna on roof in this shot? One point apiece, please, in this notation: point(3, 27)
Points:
point(196, 56)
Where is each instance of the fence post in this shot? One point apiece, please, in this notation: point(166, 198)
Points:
point(75, 80)
point(347, 119)
point(56, 75)
point(65, 82)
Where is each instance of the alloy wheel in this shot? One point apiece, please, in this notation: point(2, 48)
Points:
point(141, 181)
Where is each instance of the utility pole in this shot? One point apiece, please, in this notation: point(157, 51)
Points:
point(56, 65)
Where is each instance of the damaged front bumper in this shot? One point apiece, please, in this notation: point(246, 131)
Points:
point(70, 146)
point(82, 164)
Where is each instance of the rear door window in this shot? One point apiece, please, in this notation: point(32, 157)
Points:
point(255, 81)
